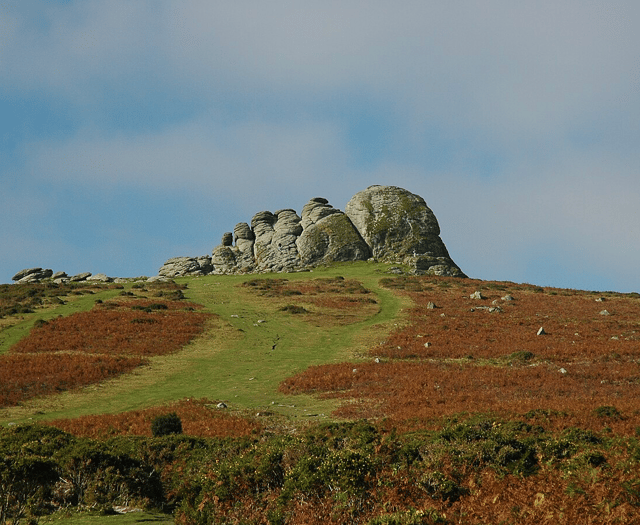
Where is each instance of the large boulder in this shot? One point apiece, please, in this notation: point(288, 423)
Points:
point(178, 266)
point(399, 226)
point(245, 239)
point(79, 277)
point(31, 275)
point(332, 238)
point(315, 210)
point(223, 259)
point(275, 245)
point(26, 272)
point(100, 277)
point(394, 222)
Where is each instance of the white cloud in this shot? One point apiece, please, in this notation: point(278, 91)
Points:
point(548, 89)
point(505, 68)
point(246, 161)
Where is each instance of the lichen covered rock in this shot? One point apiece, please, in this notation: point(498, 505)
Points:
point(332, 238)
point(384, 222)
point(399, 226)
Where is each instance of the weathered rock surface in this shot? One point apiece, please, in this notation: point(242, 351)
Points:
point(332, 238)
point(100, 277)
point(31, 275)
point(25, 273)
point(275, 245)
point(384, 222)
point(178, 266)
point(399, 226)
point(35, 275)
point(80, 277)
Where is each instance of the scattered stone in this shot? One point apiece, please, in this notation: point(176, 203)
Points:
point(59, 275)
point(24, 273)
point(180, 266)
point(430, 265)
point(600, 300)
point(604, 312)
point(476, 295)
point(562, 371)
point(221, 405)
point(541, 331)
point(427, 345)
point(377, 360)
point(396, 270)
point(507, 298)
point(494, 310)
point(157, 279)
point(431, 305)
point(80, 277)
point(32, 275)
point(118, 509)
point(100, 277)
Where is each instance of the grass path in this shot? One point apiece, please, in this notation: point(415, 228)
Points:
point(238, 360)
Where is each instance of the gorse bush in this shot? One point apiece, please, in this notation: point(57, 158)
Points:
point(166, 425)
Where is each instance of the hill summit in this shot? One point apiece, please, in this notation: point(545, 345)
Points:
point(386, 223)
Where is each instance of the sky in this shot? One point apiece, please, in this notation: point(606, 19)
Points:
point(133, 132)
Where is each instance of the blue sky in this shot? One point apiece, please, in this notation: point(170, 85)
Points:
point(132, 132)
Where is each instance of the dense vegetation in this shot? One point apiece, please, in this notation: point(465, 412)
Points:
point(459, 413)
point(480, 470)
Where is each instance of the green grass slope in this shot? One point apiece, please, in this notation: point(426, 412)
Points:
point(248, 349)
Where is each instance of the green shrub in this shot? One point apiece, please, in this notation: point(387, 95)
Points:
point(166, 425)
point(439, 486)
point(610, 412)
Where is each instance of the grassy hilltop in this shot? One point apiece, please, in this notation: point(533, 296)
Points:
point(345, 394)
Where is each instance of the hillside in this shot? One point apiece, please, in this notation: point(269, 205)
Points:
point(473, 413)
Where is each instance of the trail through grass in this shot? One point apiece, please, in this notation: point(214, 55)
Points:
point(242, 357)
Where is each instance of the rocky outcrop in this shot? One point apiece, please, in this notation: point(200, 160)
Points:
point(399, 225)
point(36, 275)
point(384, 222)
point(31, 275)
point(178, 266)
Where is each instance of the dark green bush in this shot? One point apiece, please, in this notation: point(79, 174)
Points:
point(166, 425)
point(607, 411)
point(439, 486)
